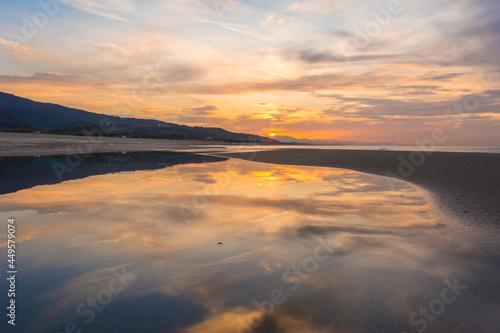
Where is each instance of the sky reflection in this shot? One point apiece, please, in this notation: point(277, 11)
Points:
point(339, 250)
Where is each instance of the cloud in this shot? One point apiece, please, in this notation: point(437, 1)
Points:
point(109, 47)
point(312, 57)
point(54, 79)
point(47, 77)
point(201, 178)
point(446, 76)
point(285, 55)
point(206, 110)
point(375, 108)
point(302, 83)
point(321, 7)
point(113, 9)
point(17, 49)
point(312, 230)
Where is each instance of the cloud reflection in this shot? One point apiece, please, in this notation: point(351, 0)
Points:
point(390, 248)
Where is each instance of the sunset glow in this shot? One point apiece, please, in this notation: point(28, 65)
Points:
point(377, 71)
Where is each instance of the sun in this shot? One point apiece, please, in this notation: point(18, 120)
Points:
point(272, 134)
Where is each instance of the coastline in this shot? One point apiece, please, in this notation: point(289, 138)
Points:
point(465, 186)
point(26, 145)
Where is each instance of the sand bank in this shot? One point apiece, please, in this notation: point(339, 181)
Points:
point(466, 186)
point(21, 144)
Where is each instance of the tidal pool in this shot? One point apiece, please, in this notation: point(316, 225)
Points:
point(163, 242)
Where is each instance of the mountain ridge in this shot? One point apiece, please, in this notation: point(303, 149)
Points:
point(22, 113)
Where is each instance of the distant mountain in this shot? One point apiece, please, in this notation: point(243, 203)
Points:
point(289, 139)
point(304, 141)
point(22, 113)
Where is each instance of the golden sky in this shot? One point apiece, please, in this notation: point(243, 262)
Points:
point(366, 71)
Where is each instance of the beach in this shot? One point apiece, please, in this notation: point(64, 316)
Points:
point(150, 221)
point(465, 186)
point(22, 144)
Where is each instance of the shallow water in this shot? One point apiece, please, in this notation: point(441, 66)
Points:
point(302, 249)
point(456, 149)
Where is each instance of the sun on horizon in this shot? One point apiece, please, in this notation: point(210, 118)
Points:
point(378, 71)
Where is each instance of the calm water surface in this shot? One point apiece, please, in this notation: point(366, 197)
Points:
point(457, 149)
point(236, 246)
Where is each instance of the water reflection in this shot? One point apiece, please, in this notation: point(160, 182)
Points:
point(19, 173)
point(304, 250)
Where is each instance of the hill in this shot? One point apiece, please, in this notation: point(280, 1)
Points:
point(17, 113)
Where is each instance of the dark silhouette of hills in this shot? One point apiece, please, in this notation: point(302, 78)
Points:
point(17, 113)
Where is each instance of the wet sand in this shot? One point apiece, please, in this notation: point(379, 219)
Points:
point(21, 144)
point(466, 186)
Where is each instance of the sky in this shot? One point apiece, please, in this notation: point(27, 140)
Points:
point(382, 71)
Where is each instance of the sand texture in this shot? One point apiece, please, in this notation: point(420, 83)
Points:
point(466, 186)
point(20, 144)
